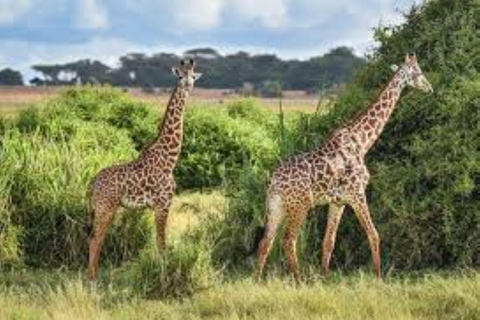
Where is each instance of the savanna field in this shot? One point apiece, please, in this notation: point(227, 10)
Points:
point(423, 193)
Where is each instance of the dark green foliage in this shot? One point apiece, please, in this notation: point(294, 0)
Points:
point(425, 167)
point(424, 190)
point(81, 71)
point(246, 198)
point(115, 109)
point(9, 77)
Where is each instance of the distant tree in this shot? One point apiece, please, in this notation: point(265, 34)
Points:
point(50, 73)
point(9, 77)
point(87, 71)
point(271, 88)
point(228, 72)
point(36, 81)
point(205, 53)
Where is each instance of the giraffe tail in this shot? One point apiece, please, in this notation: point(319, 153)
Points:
point(88, 226)
point(274, 215)
point(257, 237)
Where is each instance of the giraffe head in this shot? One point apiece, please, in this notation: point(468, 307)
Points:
point(412, 74)
point(186, 74)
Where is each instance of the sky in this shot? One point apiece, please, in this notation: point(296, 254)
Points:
point(59, 31)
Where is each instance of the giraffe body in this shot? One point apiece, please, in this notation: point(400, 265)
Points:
point(333, 174)
point(146, 182)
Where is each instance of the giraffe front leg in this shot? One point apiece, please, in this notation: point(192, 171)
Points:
point(161, 216)
point(289, 242)
point(362, 212)
point(335, 212)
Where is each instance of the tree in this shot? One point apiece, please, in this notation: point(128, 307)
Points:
point(424, 187)
point(271, 88)
point(9, 77)
point(230, 71)
point(203, 53)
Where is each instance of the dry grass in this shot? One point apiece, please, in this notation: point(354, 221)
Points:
point(188, 210)
point(354, 297)
point(15, 99)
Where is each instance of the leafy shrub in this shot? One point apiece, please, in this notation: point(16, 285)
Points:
point(246, 109)
point(423, 192)
point(185, 267)
point(46, 191)
point(105, 105)
point(217, 146)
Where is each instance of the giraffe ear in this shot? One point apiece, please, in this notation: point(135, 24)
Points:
point(175, 71)
point(394, 67)
point(410, 57)
point(197, 76)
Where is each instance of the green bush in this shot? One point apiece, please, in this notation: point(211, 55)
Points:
point(218, 144)
point(101, 105)
point(45, 190)
point(423, 192)
point(185, 267)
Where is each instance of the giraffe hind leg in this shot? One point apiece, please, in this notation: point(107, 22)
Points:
point(274, 218)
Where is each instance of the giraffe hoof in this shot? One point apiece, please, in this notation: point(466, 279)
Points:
point(299, 280)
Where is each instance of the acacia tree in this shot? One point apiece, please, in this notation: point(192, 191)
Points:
point(9, 77)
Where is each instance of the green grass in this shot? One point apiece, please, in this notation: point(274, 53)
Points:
point(56, 295)
point(125, 292)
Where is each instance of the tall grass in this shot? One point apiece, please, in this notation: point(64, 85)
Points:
point(50, 154)
point(355, 297)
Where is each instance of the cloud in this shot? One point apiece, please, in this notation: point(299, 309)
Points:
point(107, 50)
point(11, 10)
point(90, 15)
point(271, 13)
point(197, 14)
point(308, 13)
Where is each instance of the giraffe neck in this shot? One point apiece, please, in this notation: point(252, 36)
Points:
point(167, 146)
point(368, 126)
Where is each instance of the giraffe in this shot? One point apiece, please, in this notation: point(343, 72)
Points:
point(147, 181)
point(335, 174)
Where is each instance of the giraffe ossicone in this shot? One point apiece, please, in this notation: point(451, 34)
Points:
point(148, 180)
point(334, 174)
